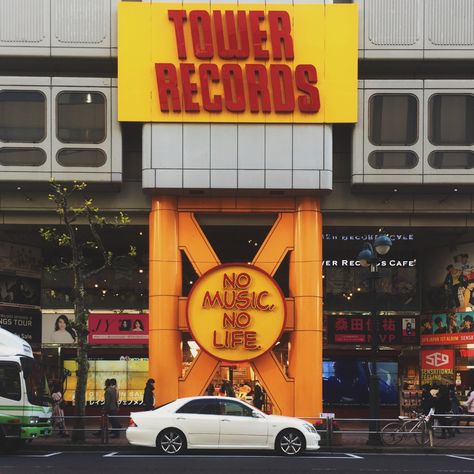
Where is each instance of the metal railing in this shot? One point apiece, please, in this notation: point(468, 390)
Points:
point(347, 432)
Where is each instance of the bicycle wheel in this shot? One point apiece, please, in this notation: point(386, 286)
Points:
point(423, 436)
point(392, 434)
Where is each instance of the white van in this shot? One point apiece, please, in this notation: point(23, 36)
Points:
point(25, 407)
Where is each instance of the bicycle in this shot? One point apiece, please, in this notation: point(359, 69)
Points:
point(419, 427)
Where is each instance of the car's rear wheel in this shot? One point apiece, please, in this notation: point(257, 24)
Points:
point(290, 443)
point(171, 441)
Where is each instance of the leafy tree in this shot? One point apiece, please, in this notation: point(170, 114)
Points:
point(87, 256)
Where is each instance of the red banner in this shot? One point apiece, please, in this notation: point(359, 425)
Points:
point(447, 328)
point(437, 359)
point(118, 329)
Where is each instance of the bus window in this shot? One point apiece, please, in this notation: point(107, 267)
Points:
point(36, 387)
point(10, 386)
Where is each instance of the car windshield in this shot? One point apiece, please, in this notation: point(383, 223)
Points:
point(36, 386)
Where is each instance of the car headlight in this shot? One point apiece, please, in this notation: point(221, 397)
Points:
point(309, 427)
point(34, 420)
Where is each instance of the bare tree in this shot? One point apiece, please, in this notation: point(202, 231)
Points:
point(81, 267)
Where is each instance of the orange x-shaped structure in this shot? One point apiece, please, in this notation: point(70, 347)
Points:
point(298, 230)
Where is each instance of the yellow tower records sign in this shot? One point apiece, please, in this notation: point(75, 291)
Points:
point(236, 312)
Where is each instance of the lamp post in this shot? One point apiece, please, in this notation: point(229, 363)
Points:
point(369, 256)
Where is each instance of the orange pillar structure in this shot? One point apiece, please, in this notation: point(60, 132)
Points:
point(306, 350)
point(165, 356)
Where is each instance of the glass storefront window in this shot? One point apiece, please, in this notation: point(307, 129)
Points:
point(22, 116)
point(81, 117)
point(393, 119)
point(451, 119)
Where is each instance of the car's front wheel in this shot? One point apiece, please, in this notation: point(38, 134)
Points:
point(290, 443)
point(171, 441)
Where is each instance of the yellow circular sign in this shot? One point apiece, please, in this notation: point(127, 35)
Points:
point(236, 312)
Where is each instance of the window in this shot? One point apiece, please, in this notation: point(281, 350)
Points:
point(81, 157)
point(451, 119)
point(22, 116)
point(205, 406)
point(393, 119)
point(10, 385)
point(22, 156)
point(236, 409)
point(81, 117)
point(461, 160)
point(393, 160)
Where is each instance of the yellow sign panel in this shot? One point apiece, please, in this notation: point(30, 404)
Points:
point(247, 63)
point(236, 312)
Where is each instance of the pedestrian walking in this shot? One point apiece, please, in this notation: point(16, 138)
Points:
point(456, 408)
point(148, 395)
point(427, 400)
point(57, 418)
point(258, 397)
point(470, 407)
point(443, 407)
point(111, 407)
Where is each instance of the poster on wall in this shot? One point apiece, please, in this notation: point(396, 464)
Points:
point(356, 329)
point(447, 328)
point(57, 328)
point(19, 290)
point(24, 322)
point(118, 328)
point(437, 365)
point(449, 279)
point(23, 260)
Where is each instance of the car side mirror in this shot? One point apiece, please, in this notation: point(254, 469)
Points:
point(256, 414)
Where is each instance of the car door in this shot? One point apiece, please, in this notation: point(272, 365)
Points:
point(239, 429)
point(199, 420)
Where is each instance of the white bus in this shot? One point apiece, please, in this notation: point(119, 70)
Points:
point(25, 406)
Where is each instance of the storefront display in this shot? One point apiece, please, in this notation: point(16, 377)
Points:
point(346, 382)
point(131, 374)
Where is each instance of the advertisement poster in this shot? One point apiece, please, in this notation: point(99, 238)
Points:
point(447, 328)
point(437, 365)
point(118, 329)
point(57, 328)
point(18, 290)
point(449, 279)
point(392, 330)
point(21, 259)
point(24, 322)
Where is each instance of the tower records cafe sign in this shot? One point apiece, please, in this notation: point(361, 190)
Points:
point(245, 63)
point(236, 312)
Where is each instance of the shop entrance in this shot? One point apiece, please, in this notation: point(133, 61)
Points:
point(182, 246)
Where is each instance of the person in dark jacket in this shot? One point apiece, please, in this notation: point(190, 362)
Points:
point(111, 407)
point(258, 397)
point(427, 400)
point(443, 407)
point(148, 396)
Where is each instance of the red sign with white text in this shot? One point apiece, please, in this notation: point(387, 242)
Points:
point(118, 329)
point(437, 359)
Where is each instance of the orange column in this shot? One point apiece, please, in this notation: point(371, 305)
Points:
point(165, 288)
point(306, 350)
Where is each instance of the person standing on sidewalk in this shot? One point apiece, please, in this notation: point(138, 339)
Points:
point(58, 412)
point(111, 407)
point(148, 396)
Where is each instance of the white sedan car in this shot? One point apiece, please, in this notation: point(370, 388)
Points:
point(219, 423)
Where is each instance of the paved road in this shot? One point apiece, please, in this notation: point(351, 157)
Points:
point(141, 462)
